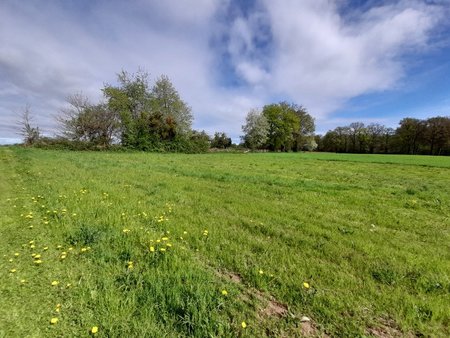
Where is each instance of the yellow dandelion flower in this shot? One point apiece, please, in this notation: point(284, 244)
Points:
point(32, 246)
point(94, 330)
point(162, 249)
point(38, 261)
point(152, 249)
point(261, 272)
point(58, 305)
point(125, 231)
point(244, 325)
point(224, 292)
point(10, 259)
point(169, 245)
point(37, 256)
point(165, 238)
point(63, 256)
point(158, 241)
point(12, 270)
point(59, 246)
point(16, 254)
point(23, 281)
point(31, 242)
point(53, 321)
point(68, 285)
point(83, 249)
point(45, 248)
point(306, 285)
point(70, 249)
point(55, 282)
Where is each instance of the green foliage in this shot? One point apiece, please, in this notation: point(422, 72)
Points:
point(220, 141)
point(283, 123)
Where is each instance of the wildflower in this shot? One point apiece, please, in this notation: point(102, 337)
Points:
point(16, 254)
point(125, 231)
point(59, 246)
point(162, 249)
point(32, 246)
point(165, 238)
point(12, 270)
point(158, 241)
point(22, 281)
point(261, 272)
point(68, 285)
point(152, 249)
point(37, 256)
point(55, 282)
point(184, 232)
point(306, 285)
point(45, 248)
point(130, 265)
point(224, 292)
point(83, 249)
point(63, 256)
point(70, 249)
point(94, 330)
point(31, 242)
point(54, 320)
point(244, 325)
point(38, 261)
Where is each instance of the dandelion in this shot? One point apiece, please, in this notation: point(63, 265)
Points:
point(152, 249)
point(31, 242)
point(165, 238)
point(53, 321)
point(37, 256)
point(55, 283)
point(130, 265)
point(16, 254)
point(32, 246)
point(94, 330)
point(184, 232)
point(63, 256)
point(12, 270)
point(83, 249)
point(162, 249)
point(261, 272)
point(125, 231)
point(38, 261)
point(10, 260)
point(68, 285)
point(23, 281)
point(224, 292)
point(306, 285)
point(169, 245)
point(244, 325)
point(59, 246)
point(45, 248)
point(70, 249)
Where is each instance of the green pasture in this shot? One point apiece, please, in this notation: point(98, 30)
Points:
point(223, 245)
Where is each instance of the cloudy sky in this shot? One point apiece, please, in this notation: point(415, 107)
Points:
point(344, 60)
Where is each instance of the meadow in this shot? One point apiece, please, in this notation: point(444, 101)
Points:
point(223, 245)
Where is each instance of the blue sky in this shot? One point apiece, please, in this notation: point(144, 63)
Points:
point(345, 61)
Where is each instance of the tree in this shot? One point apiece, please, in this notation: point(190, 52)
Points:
point(166, 101)
point(410, 133)
point(86, 122)
point(304, 136)
point(221, 141)
point(130, 102)
point(375, 134)
point(29, 133)
point(437, 134)
point(283, 123)
point(255, 129)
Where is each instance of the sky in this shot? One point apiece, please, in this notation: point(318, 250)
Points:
point(371, 61)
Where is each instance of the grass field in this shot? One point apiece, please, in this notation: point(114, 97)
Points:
point(227, 245)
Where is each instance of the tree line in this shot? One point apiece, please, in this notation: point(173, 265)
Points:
point(134, 114)
point(413, 136)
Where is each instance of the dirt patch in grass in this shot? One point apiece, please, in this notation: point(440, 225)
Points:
point(387, 328)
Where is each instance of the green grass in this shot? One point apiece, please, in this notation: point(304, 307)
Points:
point(369, 233)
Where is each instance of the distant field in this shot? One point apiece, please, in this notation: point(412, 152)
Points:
point(226, 245)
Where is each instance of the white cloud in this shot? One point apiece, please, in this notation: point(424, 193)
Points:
point(304, 51)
